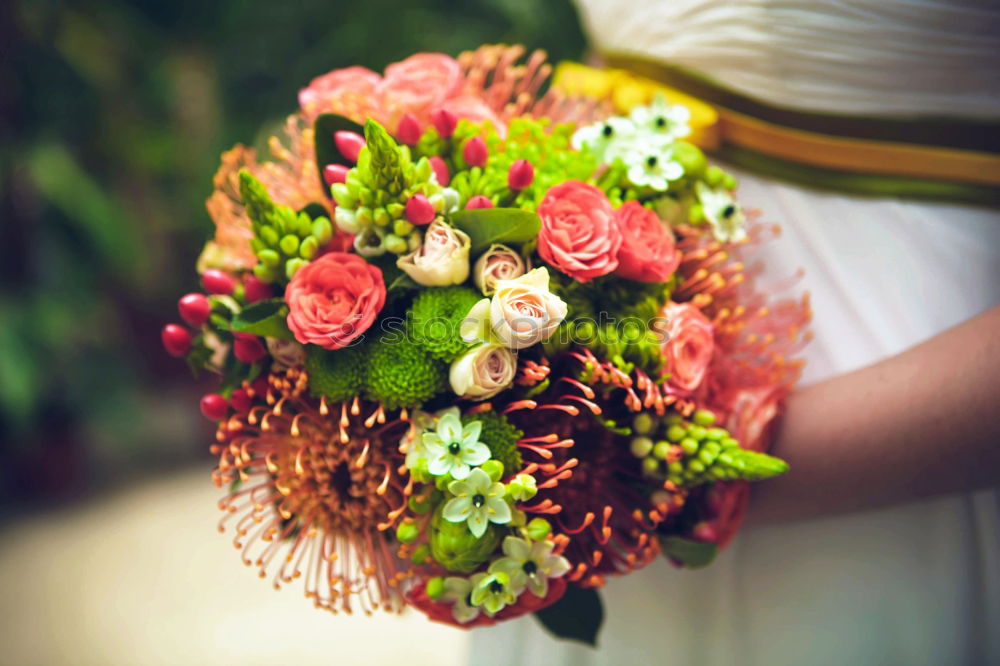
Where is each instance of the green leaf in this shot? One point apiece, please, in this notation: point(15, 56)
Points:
point(265, 318)
point(486, 226)
point(577, 616)
point(692, 554)
point(326, 147)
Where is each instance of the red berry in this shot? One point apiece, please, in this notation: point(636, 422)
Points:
point(254, 290)
point(241, 401)
point(408, 130)
point(440, 170)
point(176, 340)
point(248, 349)
point(520, 175)
point(445, 122)
point(419, 210)
point(214, 407)
point(194, 309)
point(217, 282)
point(478, 201)
point(349, 144)
point(474, 152)
point(335, 173)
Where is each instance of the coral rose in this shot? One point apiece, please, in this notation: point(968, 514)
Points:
point(328, 92)
point(419, 85)
point(687, 346)
point(334, 299)
point(647, 253)
point(579, 235)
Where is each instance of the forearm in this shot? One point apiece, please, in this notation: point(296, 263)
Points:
point(923, 423)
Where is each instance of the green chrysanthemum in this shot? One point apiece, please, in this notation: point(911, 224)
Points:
point(501, 438)
point(402, 374)
point(435, 318)
point(338, 375)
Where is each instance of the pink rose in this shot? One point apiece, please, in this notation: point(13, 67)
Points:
point(647, 253)
point(324, 91)
point(579, 235)
point(687, 346)
point(419, 85)
point(334, 299)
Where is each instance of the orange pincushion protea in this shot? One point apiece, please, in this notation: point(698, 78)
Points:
point(313, 490)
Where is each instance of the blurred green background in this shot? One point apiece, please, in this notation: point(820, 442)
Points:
point(113, 117)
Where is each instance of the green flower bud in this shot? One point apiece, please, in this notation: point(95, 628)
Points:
point(382, 217)
point(641, 446)
point(265, 273)
point(303, 226)
point(690, 446)
point(703, 417)
point(435, 587)
point(292, 266)
point(441, 482)
point(643, 424)
point(650, 466)
point(394, 244)
point(690, 157)
point(308, 247)
point(289, 245)
point(661, 450)
point(537, 529)
point(268, 235)
point(716, 433)
point(407, 533)
point(402, 227)
point(270, 258)
point(676, 433)
point(494, 468)
point(363, 216)
point(395, 210)
point(714, 176)
point(522, 488)
point(455, 548)
point(322, 230)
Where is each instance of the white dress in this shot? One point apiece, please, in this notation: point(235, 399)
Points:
point(915, 584)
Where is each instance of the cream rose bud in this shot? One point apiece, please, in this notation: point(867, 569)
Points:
point(442, 258)
point(483, 371)
point(521, 313)
point(497, 263)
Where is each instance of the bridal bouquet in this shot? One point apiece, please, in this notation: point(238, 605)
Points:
point(480, 346)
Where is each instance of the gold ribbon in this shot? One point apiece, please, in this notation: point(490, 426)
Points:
point(716, 127)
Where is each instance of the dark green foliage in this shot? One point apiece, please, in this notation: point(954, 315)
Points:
point(501, 437)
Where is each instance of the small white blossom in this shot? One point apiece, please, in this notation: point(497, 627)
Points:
point(453, 448)
point(530, 564)
point(477, 500)
point(652, 167)
point(493, 592)
point(606, 141)
point(722, 212)
point(458, 591)
point(669, 121)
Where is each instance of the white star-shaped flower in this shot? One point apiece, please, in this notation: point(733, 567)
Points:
point(530, 564)
point(722, 212)
point(453, 448)
point(652, 166)
point(478, 500)
point(660, 118)
point(607, 140)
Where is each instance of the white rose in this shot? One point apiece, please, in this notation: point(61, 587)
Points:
point(441, 260)
point(497, 263)
point(483, 371)
point(522, 312)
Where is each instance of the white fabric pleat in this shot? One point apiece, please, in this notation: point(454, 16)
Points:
point(871, 57)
